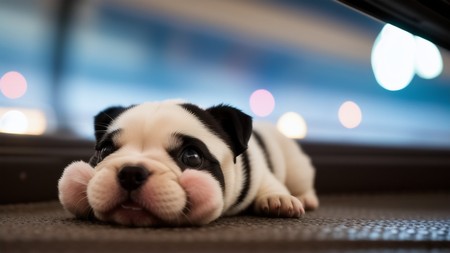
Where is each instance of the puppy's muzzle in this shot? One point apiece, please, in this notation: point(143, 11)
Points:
point(132, 177)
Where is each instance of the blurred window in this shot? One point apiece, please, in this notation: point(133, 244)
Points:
point(315, 68)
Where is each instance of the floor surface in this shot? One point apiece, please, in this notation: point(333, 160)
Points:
point(344, 223)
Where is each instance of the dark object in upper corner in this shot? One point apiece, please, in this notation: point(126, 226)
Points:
point(427, 19)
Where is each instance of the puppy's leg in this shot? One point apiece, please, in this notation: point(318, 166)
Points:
point(299, 173)
point(273, 199)
point(300, 178)
point(309, 200)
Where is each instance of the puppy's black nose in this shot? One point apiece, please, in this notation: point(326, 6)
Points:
point(132, 177)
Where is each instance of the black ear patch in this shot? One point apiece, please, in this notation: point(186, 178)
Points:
point(228, 123)
point(104, 118)
point(236, 124)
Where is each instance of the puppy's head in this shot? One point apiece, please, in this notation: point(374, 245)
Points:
point(165, 163)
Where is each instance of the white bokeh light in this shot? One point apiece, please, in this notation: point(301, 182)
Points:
point(393, 58)
point(350, 114)
point(14, 122)
point(428, 59)
point(397, 55)
point(292, 125)
point(22, 121)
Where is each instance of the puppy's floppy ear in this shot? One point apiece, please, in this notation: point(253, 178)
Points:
point(104, 118)
point(236, 124)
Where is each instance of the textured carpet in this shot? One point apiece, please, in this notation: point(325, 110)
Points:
point(350, 223)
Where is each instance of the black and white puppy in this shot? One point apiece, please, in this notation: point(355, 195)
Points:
point(173, 163)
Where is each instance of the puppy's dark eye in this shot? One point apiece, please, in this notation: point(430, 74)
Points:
point(191, 158)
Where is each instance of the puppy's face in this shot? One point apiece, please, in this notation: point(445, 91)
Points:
point(165, 163)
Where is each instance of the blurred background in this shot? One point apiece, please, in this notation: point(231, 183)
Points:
point(319, 70)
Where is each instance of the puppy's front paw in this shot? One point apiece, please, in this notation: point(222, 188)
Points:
point(285, 206)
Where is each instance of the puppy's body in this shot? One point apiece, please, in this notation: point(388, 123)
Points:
point(175, 163)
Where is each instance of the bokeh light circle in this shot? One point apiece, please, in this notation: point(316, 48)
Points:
point(428, 59)
point(350, 114)
point(393, 58)
point(397, 55)
point(262, 103)
point(292, 125)
point(13, 85)
point(14, 122)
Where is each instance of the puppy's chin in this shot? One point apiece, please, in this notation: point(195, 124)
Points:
point(128, 214)
point(195, 198)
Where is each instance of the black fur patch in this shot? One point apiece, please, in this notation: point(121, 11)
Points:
point(102, 121)
point(104, 118)
point(209, 164)
point(236, 124)
point(246, 175)
point(208, 120)
point(263, 146)
point(229, 124)
point(104, 147)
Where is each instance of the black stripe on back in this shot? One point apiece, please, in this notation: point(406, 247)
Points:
point(246, 173)
point(263, 146)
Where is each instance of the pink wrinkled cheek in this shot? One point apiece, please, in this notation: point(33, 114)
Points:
point(205, 196)
point(72, 188)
